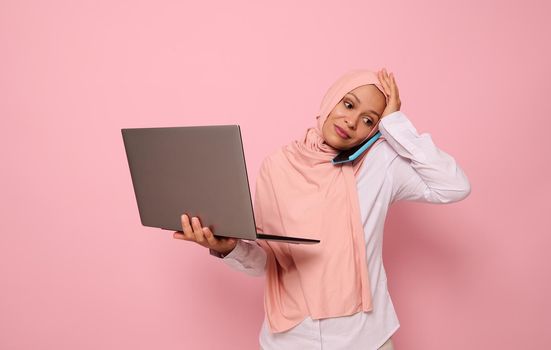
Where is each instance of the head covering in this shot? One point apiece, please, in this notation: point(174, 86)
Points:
point(299, 192)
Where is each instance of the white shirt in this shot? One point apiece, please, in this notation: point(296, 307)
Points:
point(407, 166)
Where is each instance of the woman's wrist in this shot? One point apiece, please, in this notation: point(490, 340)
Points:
point(223, 253)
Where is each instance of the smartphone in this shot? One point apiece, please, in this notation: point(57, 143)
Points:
point(354, 152)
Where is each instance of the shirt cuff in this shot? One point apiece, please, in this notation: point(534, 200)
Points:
point(403, 137)
point(235, 252)
point(397, 120)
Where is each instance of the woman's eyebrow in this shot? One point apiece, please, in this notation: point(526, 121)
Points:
point(369, 110)
point(356, 97)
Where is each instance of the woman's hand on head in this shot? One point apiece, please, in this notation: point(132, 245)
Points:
point(393, 103)
point(192, 231)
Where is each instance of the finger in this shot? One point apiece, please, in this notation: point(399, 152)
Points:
point(385, 74)
point(394, 91)
point(385, 79)
point(179, 235)
point(388, 79)
point(188, 231)
point(197, 230)
point(391, 84)
point(209, 236)
point(384, 83)
point(394, 85)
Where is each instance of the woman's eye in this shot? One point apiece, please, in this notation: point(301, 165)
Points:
point(347, 104)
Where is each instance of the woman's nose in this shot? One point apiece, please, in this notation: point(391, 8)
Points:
point(350, 121)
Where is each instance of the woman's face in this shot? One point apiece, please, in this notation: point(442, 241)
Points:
point(353, 118)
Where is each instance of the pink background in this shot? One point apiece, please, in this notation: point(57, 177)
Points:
point(78, 271)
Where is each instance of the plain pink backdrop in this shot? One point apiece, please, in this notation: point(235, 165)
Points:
point(77, 269)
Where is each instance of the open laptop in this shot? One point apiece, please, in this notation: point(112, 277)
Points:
point(196, 170)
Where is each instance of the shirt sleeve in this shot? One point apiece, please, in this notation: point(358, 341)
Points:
point(422, 172)
point(247, 257)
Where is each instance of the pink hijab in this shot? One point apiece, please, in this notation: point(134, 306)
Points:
point(299, 192)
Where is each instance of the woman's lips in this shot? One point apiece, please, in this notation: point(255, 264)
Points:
point(341, 132)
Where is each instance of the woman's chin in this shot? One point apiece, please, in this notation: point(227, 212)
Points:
point(338, 145)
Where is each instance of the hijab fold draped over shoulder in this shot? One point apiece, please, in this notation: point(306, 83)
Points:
point(299, 192)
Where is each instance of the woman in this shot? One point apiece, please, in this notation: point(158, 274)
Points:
point(335, 293)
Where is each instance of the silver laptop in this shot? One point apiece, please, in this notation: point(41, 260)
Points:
point(196, 170)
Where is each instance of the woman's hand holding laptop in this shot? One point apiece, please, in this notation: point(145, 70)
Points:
point(204, 236)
